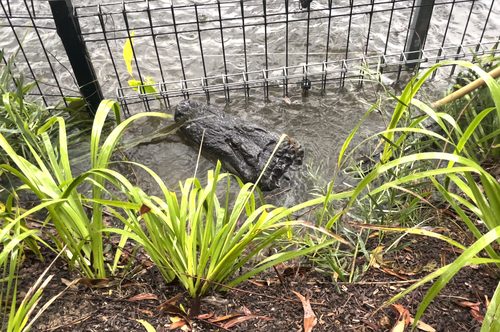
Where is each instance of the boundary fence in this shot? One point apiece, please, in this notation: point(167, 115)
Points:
point(237, 48)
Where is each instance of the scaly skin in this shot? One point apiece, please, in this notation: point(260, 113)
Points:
point(243, 148)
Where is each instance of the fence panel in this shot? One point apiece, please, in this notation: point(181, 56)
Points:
point(27, 27)
point(246, 47)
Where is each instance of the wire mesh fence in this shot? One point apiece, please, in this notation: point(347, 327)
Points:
point(244, 48)
point(28, 30)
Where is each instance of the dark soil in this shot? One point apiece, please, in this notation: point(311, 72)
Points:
point(341, 307)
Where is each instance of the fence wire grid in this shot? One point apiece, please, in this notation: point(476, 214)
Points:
point(230, 49)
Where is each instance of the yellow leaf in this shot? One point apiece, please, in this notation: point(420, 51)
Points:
point(128, 52)
point(148, 326)
point(399, 327)
point(310, 319)
point(178, 322)
point(422, 326)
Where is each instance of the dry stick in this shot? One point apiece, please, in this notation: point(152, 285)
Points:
point(210, 323)
point(98, 297)
point(311, 209)
point(38, 221)
point(379, 282)
point(103, 212)
point(280, 277)
point(70, 324)
point(199, 155)
point(495, 73)
point(416, 195)
point(281, 192)
point(294, 146)
point(309, 215)
point(41, 287)
point(371, 325)
point(349, 283)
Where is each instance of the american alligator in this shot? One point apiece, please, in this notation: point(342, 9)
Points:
point(242, 148)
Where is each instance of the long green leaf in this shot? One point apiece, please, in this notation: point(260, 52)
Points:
point(453, 268)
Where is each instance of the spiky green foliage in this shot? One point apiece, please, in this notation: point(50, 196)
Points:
point(459, 166)
point(21, 117)
point(200, 239)
point(52, 181)
point(13, 317)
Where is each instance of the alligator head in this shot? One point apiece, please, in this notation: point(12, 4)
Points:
point(243, 148)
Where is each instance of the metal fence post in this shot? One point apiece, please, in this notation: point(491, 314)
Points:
point(68, 30)
point(419, 27)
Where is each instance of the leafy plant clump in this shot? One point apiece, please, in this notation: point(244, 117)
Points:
point(52, 181)
point(485, 139)
point(196, 239)
point(460, 167)
point(14, 317)
point(22, 119)
point(203, 241)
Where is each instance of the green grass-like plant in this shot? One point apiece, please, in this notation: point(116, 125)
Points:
point(458, 168)
point(484, 140)
point(201, 240)
point(12, 237)
point(195, 239)
point(52, 181)
point(21, 117)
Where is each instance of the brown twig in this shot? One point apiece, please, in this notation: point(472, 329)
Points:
point(294, 146)
point(281, 192)
point(379, 282)
point(104, 212)
point(370, 325)
point(210, 323)
point(280, 277)
point(70, 324)
point(348, 283)
point(311, 209)
point(466, 89)
point(33, 220)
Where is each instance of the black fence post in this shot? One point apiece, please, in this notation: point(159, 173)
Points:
point(418, 31)
point(68, 30)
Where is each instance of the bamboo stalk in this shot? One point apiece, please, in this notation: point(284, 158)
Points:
point(495, 73)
